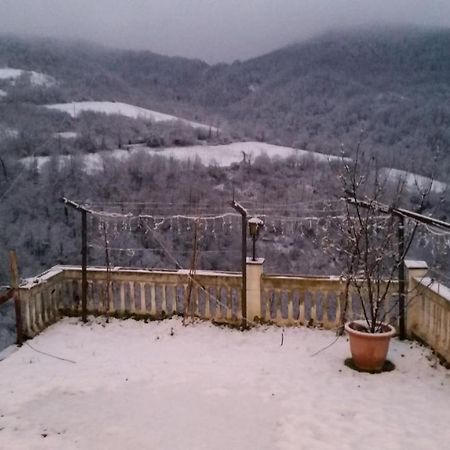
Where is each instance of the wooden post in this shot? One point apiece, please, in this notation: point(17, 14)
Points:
point(401, 278)
point(15, 285)
point(83, 265)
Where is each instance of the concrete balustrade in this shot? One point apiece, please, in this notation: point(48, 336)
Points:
point(127, 292)
point(279, 299)
point(428, 312)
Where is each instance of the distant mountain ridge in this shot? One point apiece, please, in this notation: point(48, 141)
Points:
point(392, 83)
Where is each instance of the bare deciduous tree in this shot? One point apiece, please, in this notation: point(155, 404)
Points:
point(370, 237)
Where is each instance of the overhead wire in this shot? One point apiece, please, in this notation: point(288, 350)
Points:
point(154, 249)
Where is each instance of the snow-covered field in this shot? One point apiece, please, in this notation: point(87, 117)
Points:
point(66, 134)
point(414, 181)
point(8, 73)
point(123, 109)
point(160, 385)
point(227, 154)
point(222, 155)
point(36, 78)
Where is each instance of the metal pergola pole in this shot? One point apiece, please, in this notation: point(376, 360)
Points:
point(243, 212)
point(84, 253)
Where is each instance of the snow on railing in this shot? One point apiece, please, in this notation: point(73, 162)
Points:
point(39, 299)
point(314, 301)
point(279, 299)
point(125, 292)
point(428, 317)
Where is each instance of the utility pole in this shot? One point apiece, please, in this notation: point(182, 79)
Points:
point(243, 212)
point(84, 212)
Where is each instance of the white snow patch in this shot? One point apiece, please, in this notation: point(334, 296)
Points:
point(123, 109)
point(36, 78)
point(225, 155)
point(438, 288)
point(7, 132)
point(3, 93)
point(414, 181)
point(41, 79)
point(221, 155)
point(66, 134)
point(7, 73)
point(44, 277)
point(164, 386)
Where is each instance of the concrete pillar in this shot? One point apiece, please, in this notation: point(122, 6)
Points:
point(414, 269)
point(254, 272)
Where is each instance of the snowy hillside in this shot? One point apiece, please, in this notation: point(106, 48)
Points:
point(36, 78)
point(227, 154)
point(413, 180)
point(123, 109)
point(221, 155)
point(66, 135)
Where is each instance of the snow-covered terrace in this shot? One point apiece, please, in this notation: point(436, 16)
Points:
point(162, 385)
point(156, 384)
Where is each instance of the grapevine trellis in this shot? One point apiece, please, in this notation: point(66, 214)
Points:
point(325, 223)
point(303, 221)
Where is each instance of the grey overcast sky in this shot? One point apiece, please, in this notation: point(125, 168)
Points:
point(214, 30)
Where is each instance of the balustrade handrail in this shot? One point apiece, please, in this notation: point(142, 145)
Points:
point(282, 299)
point(121, 291)
point(65, 271)
point(429, 314)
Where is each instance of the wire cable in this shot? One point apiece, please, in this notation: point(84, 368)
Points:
point(49, 354)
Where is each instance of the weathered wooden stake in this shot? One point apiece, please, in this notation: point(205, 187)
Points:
point(15, 285)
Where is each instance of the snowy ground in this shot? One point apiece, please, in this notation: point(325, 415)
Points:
point(227, 154)
point(222, 155)
point(66, 134)
point(414, 181)
point(164, 386)
point(123, 109)
point(36, 78)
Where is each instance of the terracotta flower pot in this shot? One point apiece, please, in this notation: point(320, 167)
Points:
point(369, 350)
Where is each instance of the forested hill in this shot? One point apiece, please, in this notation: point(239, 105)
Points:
point(90, 72)
point(394, 84)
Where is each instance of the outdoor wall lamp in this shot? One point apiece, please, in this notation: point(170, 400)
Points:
point(254, 225)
